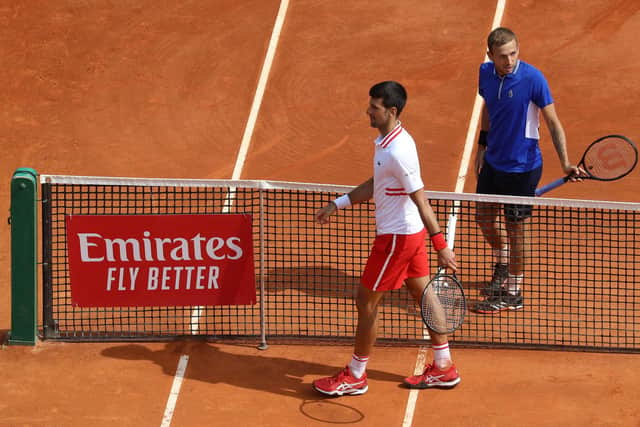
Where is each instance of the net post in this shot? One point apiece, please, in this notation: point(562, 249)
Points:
point(24, 278)
point(263, 339)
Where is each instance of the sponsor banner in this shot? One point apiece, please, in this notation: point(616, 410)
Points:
point(160, 260)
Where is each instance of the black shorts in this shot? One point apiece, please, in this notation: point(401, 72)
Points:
point(492, 181)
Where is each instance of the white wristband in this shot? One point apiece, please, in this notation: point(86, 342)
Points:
point(343, 201)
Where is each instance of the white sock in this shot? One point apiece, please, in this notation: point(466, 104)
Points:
point(358, 365)
point(501, 256)
point(513, 283)
point(441, 354)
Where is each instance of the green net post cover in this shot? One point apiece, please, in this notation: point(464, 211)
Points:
point(23, 220)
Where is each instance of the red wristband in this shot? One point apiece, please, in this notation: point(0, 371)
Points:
point(438, 241)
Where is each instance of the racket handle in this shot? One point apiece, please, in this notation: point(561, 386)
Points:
point(555, 184)
point(451, 230)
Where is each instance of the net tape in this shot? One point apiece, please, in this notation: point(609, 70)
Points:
point(580, 284)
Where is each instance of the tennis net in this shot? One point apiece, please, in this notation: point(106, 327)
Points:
point(580, 279)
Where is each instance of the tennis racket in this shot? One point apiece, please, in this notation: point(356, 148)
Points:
point(607, 159)
point(443, 305)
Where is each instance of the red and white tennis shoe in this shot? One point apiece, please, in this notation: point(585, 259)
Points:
point(342, 383)
point(434, 377)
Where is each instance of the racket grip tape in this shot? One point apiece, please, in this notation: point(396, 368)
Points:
point(555, 184)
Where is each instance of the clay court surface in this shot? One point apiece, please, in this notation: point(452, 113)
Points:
point(164, 89)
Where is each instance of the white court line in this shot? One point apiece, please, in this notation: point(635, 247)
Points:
point(248, 130)
point(175, 390)
point(459, 188)
point(262, 84)
point(413, 394)
point(475, 115)
point(237, 171)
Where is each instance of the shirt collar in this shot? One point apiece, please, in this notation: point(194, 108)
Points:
point(382, 138)
point(512, 74)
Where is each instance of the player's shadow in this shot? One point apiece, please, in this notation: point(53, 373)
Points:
point(472, 290)
point(260, 371)
point(326, 283)
point(314, 280)
point(322, 282)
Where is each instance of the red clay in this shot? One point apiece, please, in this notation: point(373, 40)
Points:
point(160, 89)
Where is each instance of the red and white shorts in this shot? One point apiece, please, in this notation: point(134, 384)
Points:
point(394, 258)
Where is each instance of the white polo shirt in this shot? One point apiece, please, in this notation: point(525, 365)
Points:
point(396, 175)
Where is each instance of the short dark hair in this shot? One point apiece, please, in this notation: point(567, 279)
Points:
point(392, 94)
point(500, 36)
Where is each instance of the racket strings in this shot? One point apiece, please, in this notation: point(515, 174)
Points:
point(611, 158)
point(444, 305)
